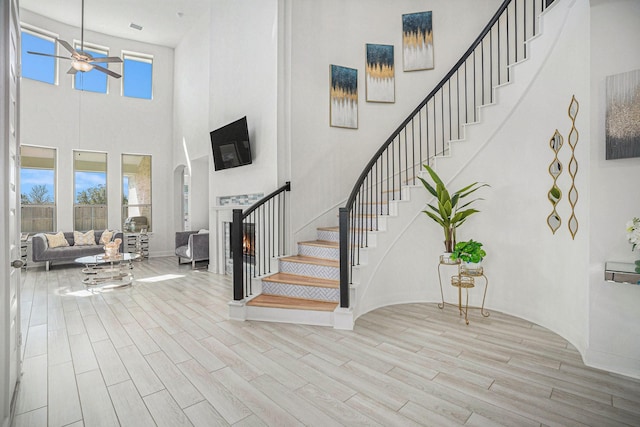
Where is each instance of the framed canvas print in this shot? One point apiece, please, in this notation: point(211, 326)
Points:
point(380, 73)
point(622, 123)
point(343, 97)
point(417, 41)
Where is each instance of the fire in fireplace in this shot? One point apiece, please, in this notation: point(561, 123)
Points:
point(248, 241)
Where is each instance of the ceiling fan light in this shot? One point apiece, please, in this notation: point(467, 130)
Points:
point(82, 66)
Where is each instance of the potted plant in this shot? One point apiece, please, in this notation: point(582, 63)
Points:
point(471, 253)
point(449, 213)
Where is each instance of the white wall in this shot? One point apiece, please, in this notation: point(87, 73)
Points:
point(326, 161)
point(614, 338)
point(191, 146)
point(243, 82)
point(59, 116)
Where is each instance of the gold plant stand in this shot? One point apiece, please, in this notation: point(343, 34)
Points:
point(464, 279)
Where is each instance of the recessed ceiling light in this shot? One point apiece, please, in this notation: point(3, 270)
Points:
point(135, 26)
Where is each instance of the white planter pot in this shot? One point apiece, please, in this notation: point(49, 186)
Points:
point(472, 267)
point(445, 258)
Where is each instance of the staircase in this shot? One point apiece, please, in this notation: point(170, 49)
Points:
point(328, 283)
point(307, 284)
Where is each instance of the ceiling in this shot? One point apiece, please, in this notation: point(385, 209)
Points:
point(163, 22)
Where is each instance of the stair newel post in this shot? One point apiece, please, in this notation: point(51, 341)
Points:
point(236, 248)
point(344, 257)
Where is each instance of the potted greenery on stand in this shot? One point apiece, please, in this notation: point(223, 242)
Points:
point(471, 253)
point(449, 213)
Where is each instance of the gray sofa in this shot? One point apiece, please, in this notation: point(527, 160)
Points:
point(193, 246)
point(41, 252)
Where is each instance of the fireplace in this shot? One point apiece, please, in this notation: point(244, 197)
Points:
point(248, 245)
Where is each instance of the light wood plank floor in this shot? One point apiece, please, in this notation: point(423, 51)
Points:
point(164, 353)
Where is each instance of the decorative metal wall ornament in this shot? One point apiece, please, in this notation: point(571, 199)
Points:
point(555, 194)
point(572, 139)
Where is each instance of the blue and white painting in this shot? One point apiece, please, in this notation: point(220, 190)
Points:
point(417, 41)
point(380, 73)
point(343, 97)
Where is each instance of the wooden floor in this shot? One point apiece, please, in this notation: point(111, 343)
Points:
point(164, 353)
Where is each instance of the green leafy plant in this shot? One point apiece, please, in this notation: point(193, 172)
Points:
point(449, 213)
point(470, 251)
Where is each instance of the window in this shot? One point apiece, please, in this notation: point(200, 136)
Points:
point(136, 192)
point(90, 190)
point(37, 189)
point(138, 75)
point(94, 80)
point(38, 67)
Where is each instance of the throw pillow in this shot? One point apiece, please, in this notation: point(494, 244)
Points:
point(84, 239)
point(56, 240)
point(106, 237)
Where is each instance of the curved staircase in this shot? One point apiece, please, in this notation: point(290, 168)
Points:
point(329, 282)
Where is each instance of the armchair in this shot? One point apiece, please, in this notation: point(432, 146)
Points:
point(193, 246)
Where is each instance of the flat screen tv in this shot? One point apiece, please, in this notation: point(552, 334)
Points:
point(230, 145)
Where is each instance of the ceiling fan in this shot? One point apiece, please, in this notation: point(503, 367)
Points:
point(83, 61)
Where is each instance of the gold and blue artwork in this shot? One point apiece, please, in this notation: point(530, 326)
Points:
point(380, 73)
point(343, 97)
point(417, 41)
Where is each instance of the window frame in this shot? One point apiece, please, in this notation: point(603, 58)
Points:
point(138, 57)
point(124, 208)
point(54, 204)
point(106, 189)
point(48, 36)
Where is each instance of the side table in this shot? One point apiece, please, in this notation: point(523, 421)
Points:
point(464, 279)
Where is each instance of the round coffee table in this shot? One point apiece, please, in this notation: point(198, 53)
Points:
point(104, 273)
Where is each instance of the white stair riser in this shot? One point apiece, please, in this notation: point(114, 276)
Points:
point(318, 251)
point(299, 291)
point(329, 236)
point(301, 317)
point(371, 236)
point(310, 270)
point(371, 223)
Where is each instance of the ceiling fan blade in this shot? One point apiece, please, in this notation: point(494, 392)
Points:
point(106, 71)
point(46, 54)
point(72, 71)
point(66, 45)
point(105, 59)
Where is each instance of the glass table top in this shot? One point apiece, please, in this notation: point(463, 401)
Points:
point(101, 258)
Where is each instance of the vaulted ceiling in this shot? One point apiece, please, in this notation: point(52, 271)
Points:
point(163, 22)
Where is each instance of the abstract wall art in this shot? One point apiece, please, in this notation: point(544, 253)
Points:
point(343, 97)
point(417, 41)
point(622, 123)
point(380, 73)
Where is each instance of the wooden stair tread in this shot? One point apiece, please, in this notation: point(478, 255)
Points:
point(336, 229)
point(277, 301)
point(312, 260)
point(296, 279)
point(321, 243)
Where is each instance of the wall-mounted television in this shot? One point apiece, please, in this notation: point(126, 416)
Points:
point(230, 145)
